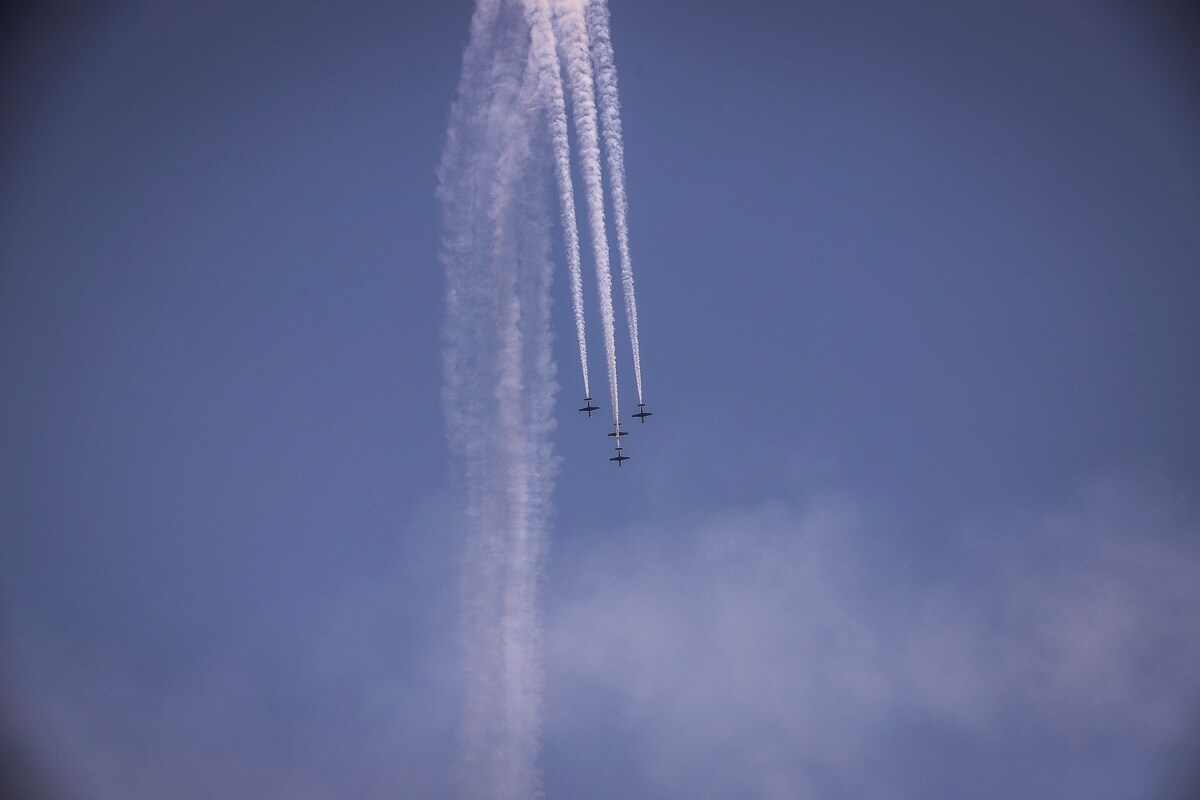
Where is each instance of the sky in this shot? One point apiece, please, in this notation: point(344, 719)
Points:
point(918, 513)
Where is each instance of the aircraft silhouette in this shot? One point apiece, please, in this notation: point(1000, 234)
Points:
point(588, 407)
point(643, 413)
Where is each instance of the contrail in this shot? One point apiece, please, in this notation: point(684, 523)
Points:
point(507, 129)
point(499, 392)
point(571, 28)
point(545, 48)
point(610, 125)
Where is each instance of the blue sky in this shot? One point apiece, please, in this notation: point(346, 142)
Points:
point(917, 515)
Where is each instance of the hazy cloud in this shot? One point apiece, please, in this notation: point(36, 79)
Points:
point(794, 650)
point(791, 649)
point(351, 695)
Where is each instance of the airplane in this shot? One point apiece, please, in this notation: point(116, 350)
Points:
point(589, 408)
point(618, 457)
point(618, 432)
point(643, 413)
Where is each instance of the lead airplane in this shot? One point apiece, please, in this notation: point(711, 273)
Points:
point(643, 413)
point(588, 407)
point(618, 457)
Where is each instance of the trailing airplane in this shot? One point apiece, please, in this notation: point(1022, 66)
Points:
point(643, 413)
point(588, 407)
point(618, 432)
point(618, 457)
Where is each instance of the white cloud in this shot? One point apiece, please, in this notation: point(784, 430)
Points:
point(788, 650)
point(796, 652)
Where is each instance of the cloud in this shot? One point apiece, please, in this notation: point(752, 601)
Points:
point(354, 694)
point(790, 649)
point(799, 651)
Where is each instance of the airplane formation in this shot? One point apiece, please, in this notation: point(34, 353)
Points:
point(617, 433)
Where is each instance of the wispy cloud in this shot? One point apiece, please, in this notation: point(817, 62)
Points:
point(791, 649)
point(795, 651)
point(354, 694)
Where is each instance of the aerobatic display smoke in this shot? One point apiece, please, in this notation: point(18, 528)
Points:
point(508, 133)
point(543, 44)
point(609, 104)
point(573, 43)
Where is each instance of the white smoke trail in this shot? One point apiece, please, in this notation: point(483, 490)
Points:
point(570, 26)
point(609, 103)
point(499, 392)
point(500, 386)
point(545, 47)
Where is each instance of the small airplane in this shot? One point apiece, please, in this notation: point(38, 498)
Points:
point(618, 432)
point(618, 457)
point(643, 413)
point(588, 407)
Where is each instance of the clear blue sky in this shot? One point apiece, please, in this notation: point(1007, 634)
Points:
point(918, 514)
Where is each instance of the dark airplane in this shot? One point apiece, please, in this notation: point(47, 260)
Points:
point(618, 432)
point(643, 413)
point(589, 408)
point(618, 457)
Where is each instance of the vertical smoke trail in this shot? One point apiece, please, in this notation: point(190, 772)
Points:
point(610, 119)
point(573, 39)
point(499, 392)
point(500, 386)
point(545, 47)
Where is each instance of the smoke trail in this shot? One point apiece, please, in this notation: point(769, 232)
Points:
point(614, 147)
point(499, 392)
point(550, 86)
point(573, 40)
